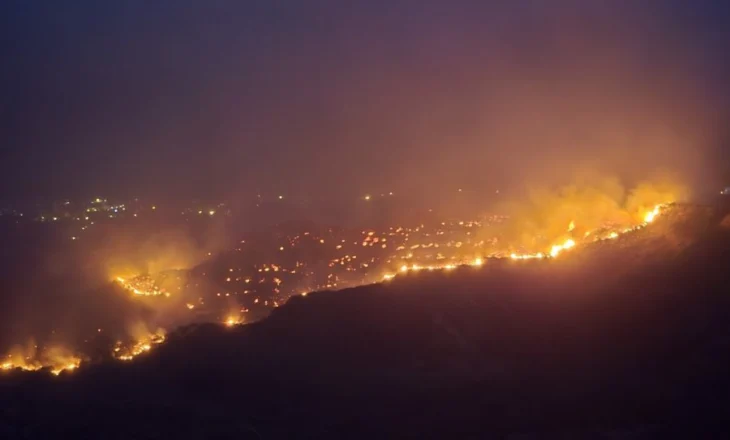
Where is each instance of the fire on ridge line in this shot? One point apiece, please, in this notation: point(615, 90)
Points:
point(56, 367)
point(142, 286)
point(58, 362)
point(554, 251)
point(144, 345)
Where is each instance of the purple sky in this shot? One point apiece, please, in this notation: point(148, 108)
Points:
point(221, 98)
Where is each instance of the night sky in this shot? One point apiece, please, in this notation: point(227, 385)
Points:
point(193, 98)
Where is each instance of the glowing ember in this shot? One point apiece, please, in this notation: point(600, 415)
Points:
point(233, 320)
point(537, 256)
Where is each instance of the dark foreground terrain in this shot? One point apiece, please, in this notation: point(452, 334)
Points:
point(628, 339)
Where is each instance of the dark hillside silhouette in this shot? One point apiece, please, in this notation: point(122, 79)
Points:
point(626, 339)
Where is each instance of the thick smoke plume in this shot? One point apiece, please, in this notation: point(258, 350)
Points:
point(593, 201)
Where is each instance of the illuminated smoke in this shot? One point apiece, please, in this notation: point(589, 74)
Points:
point(574, 212)
point(56, 359)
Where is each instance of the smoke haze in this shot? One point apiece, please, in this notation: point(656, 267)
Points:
point(328, 100)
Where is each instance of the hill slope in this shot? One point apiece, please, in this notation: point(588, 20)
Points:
point(627, 339)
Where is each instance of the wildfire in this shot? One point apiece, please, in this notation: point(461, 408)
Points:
point(53, 359)
point(651, 215)
point(142, 286)
point(58, 360)
point(25, 364)
point(537, 256)
point(70, 366)
point(233, 320)
point(555, 251)
point(558, 248)
point(141, 346)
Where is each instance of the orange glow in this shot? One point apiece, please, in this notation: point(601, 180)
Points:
point(233, 320)
point(474, 251)
point(143, 345)
point(651, 215)
point(55, 359)
point(558, 248)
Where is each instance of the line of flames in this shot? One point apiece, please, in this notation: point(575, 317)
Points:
point(555, 250)
point(130, 352)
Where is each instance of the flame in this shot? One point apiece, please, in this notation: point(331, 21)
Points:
point(555, 251)
point(72, 365)
point(651, 215)
point(233, 320)
point(537, 256)
point(558, 248)
point(141, 286)
point(55, 359)
point(142, 345)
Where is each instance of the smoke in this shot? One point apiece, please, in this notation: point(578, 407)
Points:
point(66, 293)
point(547, 215)
point(167, 250)
point(578, 101)
point(529, 93)
point(129, 253)
point(646, 195)
point(141, 331)
point(30, 357)
point(396, 96)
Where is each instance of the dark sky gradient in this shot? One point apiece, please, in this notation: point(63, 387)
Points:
point(187, 98)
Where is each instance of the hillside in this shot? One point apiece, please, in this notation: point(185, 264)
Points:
point(622, 339)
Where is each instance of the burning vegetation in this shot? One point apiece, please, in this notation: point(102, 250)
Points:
point(129, 351)
point(54, 359)
point(231, 284)
point(143, 285)
point(606, 233)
